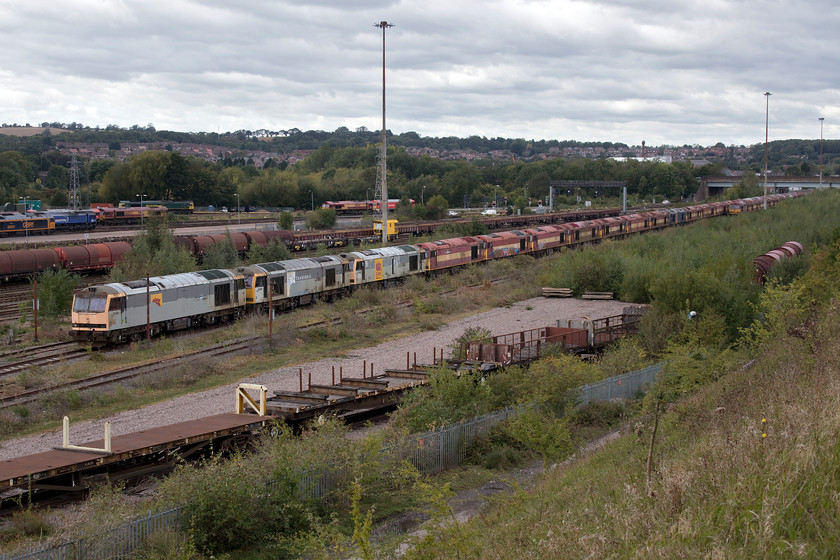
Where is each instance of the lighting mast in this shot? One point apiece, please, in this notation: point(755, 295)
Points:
point(382, 182)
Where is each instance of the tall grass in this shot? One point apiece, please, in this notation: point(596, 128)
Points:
point(746, 465)
point(705, 266)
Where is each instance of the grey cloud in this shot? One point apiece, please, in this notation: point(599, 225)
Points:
point(613, 70)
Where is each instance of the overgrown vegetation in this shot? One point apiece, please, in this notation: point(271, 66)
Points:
point(736, 456)
point(707, 267)
point(321, 218)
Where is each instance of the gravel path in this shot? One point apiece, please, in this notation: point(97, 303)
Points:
point(528, 314)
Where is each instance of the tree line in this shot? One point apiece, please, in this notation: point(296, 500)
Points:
point(333, 173)
point(343, 165)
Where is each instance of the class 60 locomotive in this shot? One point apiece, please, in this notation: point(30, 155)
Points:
point(121, 312)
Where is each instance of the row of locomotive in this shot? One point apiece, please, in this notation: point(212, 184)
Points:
point(119, 312)
point(49, 221)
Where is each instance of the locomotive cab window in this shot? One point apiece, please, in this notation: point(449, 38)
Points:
point(89, 303)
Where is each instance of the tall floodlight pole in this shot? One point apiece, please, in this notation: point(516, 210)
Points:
point(383, 177)
point(767, 95)
point(821, 146)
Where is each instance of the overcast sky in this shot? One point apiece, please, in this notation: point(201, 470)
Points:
point(663, 71)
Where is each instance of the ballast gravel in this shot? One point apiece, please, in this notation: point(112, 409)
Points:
point(524, 315)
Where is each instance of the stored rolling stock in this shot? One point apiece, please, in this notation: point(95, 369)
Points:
point(182, 301)
point(21, 263)
point(358, 207)
point(306, 240)
point(71, 220)
point(174, 206)
point(13, 223)
point(117, 216)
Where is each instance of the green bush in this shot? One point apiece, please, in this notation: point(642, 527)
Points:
point(321, 218)
point(26, 523)
point(436, 207)
point(168, 544)
point(600, 414)
point(55, 292)
point(286, 221)
point(221, 254)
point(445, 399)
point(470, 334)
point(541, 433)
point(276, 250)
point(153, 253)
point(228, 504)
point(502, 458)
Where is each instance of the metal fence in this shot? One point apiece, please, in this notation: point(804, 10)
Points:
point(429, 453)
point(625, 386)
point(116, 543)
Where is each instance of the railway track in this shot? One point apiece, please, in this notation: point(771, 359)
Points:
point(127, 373)
point(16, 299)
point(38, 356)
point(49, 354)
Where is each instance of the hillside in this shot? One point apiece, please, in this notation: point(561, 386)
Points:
point(745, 466)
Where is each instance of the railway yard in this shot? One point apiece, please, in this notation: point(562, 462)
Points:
point(334, 378)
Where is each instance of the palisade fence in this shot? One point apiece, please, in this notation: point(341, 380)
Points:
point(430, 453)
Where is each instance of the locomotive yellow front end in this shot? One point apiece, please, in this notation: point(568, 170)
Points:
point(97, 311)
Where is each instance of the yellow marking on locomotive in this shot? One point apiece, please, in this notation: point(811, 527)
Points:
point(251, 287)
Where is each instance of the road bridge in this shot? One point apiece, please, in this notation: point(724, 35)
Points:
point(711, 185)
